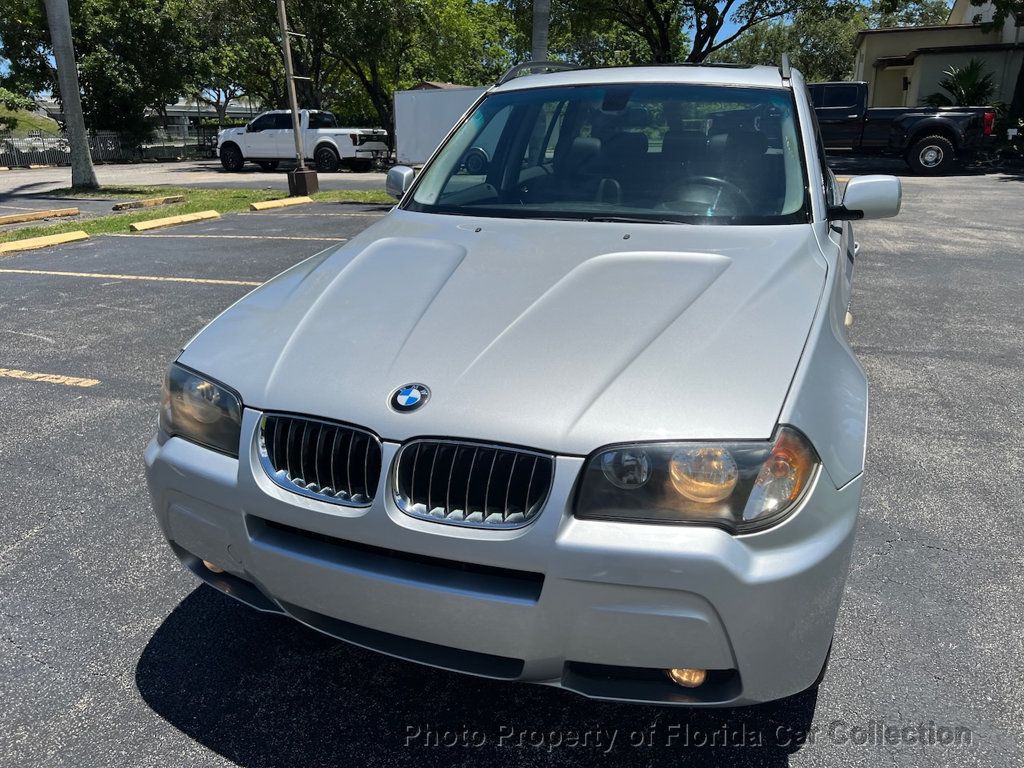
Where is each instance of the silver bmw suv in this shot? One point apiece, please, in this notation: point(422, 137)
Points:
point(579, 411)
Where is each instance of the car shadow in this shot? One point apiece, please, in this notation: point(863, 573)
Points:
point(844, 164)
point(262, 690)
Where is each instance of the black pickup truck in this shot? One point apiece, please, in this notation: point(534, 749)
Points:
point(930, 139)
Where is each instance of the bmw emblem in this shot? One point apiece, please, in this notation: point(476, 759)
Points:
point(410, 397)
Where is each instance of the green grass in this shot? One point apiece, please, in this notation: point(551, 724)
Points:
point(221, 200)
point(29, 122)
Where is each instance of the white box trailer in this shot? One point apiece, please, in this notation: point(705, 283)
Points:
point(424, 117)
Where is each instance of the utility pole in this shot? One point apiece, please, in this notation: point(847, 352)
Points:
point(59, 19)
point(541, 20)
point(301, 181)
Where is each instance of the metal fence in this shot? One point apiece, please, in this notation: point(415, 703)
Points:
point(109, 147)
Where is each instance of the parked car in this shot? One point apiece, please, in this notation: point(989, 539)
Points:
point(932, 140)
point(268, 139)
point(584, 415)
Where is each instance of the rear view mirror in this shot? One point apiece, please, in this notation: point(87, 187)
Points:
point(869, 197)
point(399, 180)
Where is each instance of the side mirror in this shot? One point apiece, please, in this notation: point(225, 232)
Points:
point(251, 129)
point(869, 197)
point(399, 180)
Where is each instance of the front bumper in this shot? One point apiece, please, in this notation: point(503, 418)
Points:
point(593, 606)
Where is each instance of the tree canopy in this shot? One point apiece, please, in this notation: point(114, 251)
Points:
point(138, 55)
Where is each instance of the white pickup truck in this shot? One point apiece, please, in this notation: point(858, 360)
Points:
point(268, 139)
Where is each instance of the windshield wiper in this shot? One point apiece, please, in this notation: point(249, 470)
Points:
point(633, 220)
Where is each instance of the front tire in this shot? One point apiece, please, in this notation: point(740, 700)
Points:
point(326, 159)
point(932, 156)
point(268, 165)
point(231, 158)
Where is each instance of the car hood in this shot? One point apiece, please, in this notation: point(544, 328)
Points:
point(562, 336)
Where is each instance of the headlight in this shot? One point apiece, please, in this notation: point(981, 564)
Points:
point(741, 486)
point(200, 410)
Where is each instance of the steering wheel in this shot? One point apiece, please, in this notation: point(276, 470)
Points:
point(721, 186)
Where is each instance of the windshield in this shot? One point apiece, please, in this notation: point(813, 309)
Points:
point(662, 152)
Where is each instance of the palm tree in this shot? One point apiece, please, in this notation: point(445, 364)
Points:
point(82, 172)
point(541, 19)
point(969, 86)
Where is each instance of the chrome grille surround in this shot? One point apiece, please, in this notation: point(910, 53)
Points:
point(323, 460)
point(475, 485)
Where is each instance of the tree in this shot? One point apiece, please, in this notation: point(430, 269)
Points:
point(58, 16)
point(384, 45)
point(821, 41)
point(14, 102)
point(136, 55)
point(575, 35)
point(133, 55)
point(900, 13)
point(820, 44)
point(223, 65)
point(967, 86)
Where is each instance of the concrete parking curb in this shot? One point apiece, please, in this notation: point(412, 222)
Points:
point(31, 243)
point(149, 202)
point(170, 221)
point(284, 202)
point(18, 218)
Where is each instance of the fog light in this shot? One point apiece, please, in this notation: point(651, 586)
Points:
point(214, 568)
point(688, 678)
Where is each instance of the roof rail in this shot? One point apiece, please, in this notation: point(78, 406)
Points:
point(534, 68)
point(784, 68)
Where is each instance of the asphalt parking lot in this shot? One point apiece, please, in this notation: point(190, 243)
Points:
point(112, 655)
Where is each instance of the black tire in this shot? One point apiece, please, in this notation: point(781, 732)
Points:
point(326, 159)
point(231, 158)
point(932, 156)
point(268, 165)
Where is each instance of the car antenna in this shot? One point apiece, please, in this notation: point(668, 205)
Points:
point(784, 68)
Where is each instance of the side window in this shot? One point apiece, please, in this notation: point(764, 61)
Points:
point(546, 131)
point(816, 92)
point(322, 120)
point(283, 121)
point(840, 96)
point(262, 123)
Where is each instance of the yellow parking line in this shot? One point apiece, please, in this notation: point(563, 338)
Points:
point(232, 237)
point(49, 378)
point(153, 278)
